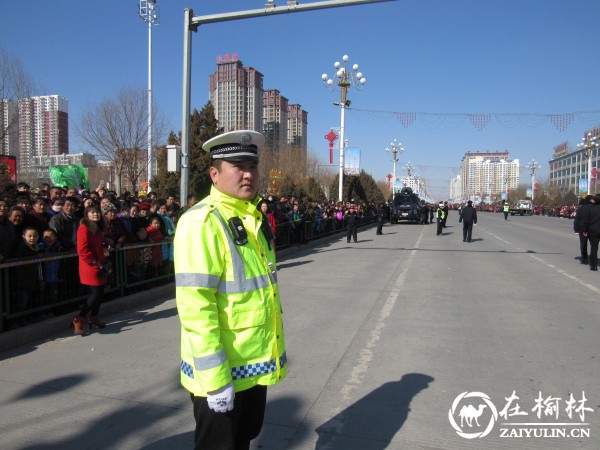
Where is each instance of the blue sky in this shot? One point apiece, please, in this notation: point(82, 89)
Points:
point(440, 59)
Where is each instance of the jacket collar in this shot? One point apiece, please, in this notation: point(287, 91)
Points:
point(245, 206)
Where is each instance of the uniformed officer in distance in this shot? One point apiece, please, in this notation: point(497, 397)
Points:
point(505, 209)
point(468, 216)
point(232, 342)
point(441, 215)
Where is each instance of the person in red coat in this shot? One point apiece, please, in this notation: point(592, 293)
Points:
point(92, 257)
point(155, 235)
point(270, 218)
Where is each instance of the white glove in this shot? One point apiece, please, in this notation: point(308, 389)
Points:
point(221, 400)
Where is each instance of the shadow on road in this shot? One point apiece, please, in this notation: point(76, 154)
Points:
point(51, 387)
point(372, 421)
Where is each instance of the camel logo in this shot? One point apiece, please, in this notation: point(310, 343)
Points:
point(470, 414)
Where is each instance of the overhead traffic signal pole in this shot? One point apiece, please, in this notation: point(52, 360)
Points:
point(191, 23)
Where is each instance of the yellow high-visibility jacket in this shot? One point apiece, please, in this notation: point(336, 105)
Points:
point(505, 208)
point(227, 299)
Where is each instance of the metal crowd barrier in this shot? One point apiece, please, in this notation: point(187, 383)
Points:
point(24, 300)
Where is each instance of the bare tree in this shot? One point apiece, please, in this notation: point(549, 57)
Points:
point(15, 83)
point(117, 128)
point(385, 188)
point(323, 174)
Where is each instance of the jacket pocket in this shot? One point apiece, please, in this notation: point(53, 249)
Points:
point(245, 318)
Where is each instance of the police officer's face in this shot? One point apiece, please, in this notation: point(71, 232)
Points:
point(236, 179)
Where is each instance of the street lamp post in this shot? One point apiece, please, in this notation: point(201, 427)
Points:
point(411, 182)
point(589, 143)
point(345, 79)
point(149, 13)
point(394, 148)
point(533, 165)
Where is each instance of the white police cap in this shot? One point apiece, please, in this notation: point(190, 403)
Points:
point(240, 145)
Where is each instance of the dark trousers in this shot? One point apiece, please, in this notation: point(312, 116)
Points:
point(594, 239)
point(299, 233)
point(380, 225)
point(440, 225)
point(467, 230)
point(232, 430)
point(92, 304)
point(505, 215)
point(352, 232)
point(583, 246)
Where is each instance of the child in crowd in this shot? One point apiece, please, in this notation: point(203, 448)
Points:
point(143, 256)
point(169, 231)
point(28, 277)
point(50, 245)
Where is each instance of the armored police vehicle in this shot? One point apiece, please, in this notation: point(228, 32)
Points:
point(406, 205)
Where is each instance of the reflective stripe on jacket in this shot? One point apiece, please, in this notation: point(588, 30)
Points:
point(227, 299)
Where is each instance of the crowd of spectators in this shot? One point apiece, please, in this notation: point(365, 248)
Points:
point(297, 217)
point(564, 211)
point(43, 222)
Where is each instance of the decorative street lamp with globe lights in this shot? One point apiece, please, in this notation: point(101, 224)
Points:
point(589, 142)
point(394, 148)
point(344, 79)
point(533, 165)
point(149, 13)
point(411, 176)
point(409, 168)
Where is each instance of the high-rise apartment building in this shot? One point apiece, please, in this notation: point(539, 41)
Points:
point(487, 176)
point(240, 102)
point(9, 128)
point(275, 116)
point(297, 127)
point(43, 129)
point(456, 189)
point(236, 93)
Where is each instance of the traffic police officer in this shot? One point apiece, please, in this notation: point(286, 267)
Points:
point(232, 342)
point(441, 215)
point(505, 209)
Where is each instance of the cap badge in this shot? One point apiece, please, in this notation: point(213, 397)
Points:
point(246, 139)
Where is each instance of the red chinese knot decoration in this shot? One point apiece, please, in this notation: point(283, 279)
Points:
point(331, 137)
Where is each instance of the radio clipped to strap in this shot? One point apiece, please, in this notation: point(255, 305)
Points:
point(240, 235)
